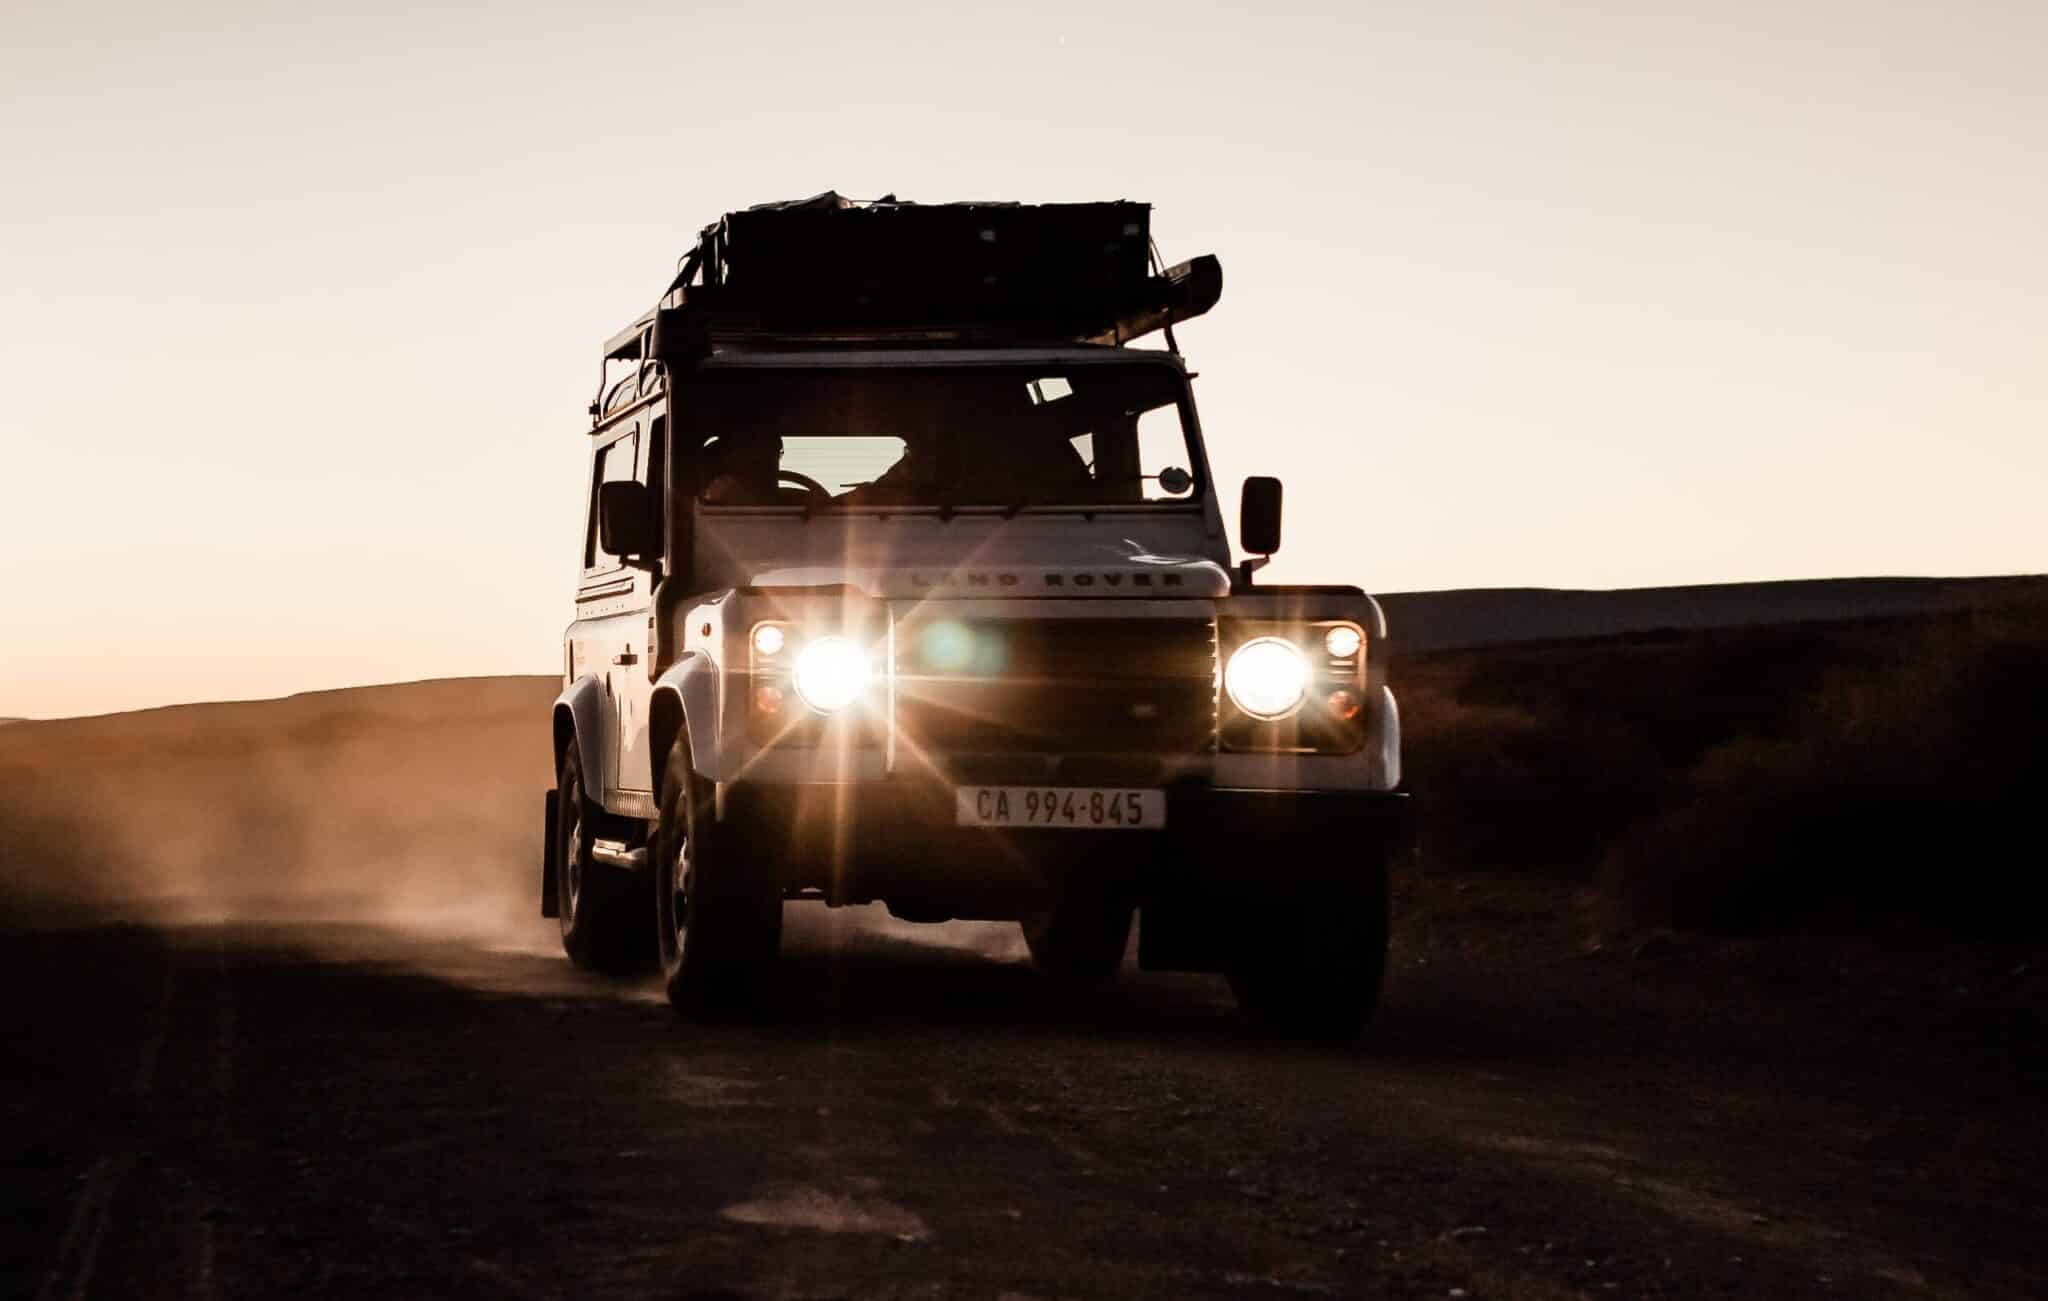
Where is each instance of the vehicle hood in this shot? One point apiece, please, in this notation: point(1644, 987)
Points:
point(1164, 576)
point(1036, 560)
point(1123, 576)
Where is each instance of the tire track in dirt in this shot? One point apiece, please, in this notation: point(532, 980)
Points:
point(78, 1251)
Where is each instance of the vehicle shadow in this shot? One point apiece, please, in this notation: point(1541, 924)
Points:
point(877, 985)
point(874, 982)
point(856, 974)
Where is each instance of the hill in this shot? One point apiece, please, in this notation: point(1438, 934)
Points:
point(1763, 764)
point(423, 794)
point(1426, 621)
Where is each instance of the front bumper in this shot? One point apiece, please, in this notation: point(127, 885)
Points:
point(896, 839)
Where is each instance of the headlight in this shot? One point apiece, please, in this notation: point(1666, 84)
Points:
point(830, 674)
point(1266, 678)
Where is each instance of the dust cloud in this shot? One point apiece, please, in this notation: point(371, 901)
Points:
point(415, 805)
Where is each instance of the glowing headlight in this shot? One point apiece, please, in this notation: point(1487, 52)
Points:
point(768, 639)
point(1267, 678)
point(1343, 641)
point(830, 674)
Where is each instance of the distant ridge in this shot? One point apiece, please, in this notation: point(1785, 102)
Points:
point(1418, 622)
point(419, 700)
point(1426, 621)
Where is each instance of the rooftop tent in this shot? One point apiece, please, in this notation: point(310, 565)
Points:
point(830, 266)
point(960, 255)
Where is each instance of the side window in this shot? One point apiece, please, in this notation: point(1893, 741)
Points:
point(1163, 458)
point(1138, 456)
point(657, 472)
point(615, 463)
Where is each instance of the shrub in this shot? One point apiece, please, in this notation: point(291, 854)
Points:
point(1739, 778)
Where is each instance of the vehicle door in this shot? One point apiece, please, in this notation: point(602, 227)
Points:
point(610, 600)
point(633, 664)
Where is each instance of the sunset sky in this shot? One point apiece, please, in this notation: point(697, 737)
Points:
point(299, 310)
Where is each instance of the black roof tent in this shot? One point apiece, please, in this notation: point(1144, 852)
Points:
point(978, 258)
point(830, 269)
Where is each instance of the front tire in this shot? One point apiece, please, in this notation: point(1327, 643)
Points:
point(1079, 942)
point(1313, 966)
point(600, 908)
point(718, 918)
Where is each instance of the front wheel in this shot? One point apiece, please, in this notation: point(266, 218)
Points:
point(1313, 966)
point(1079, 942)
point(718, 918)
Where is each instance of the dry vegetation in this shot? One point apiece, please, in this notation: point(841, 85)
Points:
point(1747, 778)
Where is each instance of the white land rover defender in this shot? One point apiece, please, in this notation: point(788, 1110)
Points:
point(904, 579)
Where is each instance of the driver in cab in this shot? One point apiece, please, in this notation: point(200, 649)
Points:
point(743, 471)
point(998, 472)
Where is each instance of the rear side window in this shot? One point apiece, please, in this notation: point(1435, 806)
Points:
point(615, 463)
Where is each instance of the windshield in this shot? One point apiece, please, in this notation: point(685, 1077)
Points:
point(1084, 435)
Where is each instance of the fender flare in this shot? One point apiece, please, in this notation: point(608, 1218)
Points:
point(1386, 739)
point(579, 721)
point(685, 702)
point(1377, 628)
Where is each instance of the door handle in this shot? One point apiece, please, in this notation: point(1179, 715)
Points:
point(625, 657)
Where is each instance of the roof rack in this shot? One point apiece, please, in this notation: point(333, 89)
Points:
point(834, 270)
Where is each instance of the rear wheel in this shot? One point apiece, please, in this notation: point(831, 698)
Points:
point(601, 908)
point(1313, 966)
point(718, 918)
point(1079, 942)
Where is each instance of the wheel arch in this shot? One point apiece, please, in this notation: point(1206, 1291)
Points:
point(666, 720)
point(579, 721)
point(577, 718)
point(685, 704)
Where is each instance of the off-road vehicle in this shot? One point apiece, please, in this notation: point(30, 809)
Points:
point(904, 579)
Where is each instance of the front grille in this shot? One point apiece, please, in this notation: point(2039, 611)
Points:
point(1057, 686)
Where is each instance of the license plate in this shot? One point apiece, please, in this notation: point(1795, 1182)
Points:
point(1084, 808)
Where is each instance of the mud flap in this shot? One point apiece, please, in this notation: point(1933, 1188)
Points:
point(549, 905)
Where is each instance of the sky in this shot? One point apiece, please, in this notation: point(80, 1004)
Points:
point(300, 307)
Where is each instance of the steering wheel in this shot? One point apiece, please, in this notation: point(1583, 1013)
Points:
point(807, 483)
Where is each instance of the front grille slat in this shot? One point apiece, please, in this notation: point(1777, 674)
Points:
point(1058, 686)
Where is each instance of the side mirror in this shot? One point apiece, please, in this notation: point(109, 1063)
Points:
point(626, 525)
point(1258, 516)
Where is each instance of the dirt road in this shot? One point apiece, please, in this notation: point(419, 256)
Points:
point(346, 1110)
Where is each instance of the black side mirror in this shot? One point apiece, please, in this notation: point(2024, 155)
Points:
point(626, 525)
point(1258, 516)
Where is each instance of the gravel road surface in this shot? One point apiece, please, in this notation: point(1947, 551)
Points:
point(268, 1109)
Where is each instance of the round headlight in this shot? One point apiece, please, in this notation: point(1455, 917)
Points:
point(1267, 678)
point(1343, 641)
point(830, 674)
point(768, 639)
